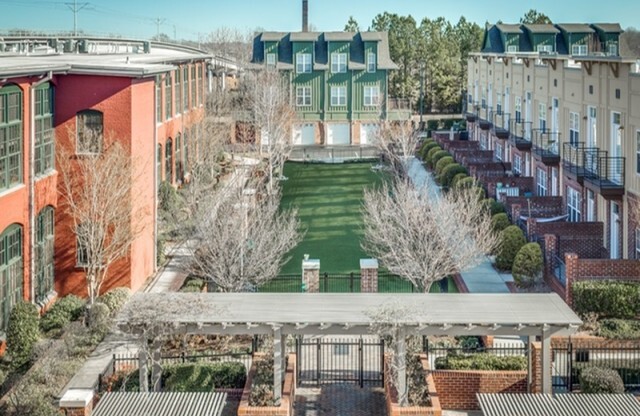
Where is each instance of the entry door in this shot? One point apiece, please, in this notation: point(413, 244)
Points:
point(616, 148)
point(615, 230)
point(554, 181)
point(555, 104)
point(591, 206)
point(528, 116)
point(591, 127)
point(527, 164)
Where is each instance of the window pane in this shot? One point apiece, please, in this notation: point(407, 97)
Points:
point(89, 132)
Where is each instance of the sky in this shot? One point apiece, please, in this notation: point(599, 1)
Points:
point(193, 19)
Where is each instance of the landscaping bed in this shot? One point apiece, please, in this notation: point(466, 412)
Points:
point(257, 396)
point(422, 394)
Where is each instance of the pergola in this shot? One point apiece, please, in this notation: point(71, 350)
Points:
point(280, 314)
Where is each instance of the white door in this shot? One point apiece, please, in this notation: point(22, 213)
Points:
point(338, 133)
point(304, 134)
point(591, 127)
point(368, 132)
point(591, 206)
point(555, 104)
point(554, 181)
point(507, 107)
point(527, 164)
point(614, 226)
point(616, 148)
point(528, 116)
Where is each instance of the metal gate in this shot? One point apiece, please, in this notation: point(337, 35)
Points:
point(340, 360)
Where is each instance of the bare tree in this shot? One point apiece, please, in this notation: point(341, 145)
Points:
point(243, 238)
point(230, 43)
point(424, 237)
point(269, 106)
point(397, 141)
point(98, 189)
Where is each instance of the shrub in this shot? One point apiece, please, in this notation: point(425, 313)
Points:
point(609, 299)
point(430, 154)
point(442, 163)
point(22, 333)
point(433, 125)
point(527, 265)
point(511, 240)
point(500, 222)
point(437, 156)
point(168, 197)
point(450, 172)
point(619, 329)
point(600, 380)
point(115, 299)
point(457, 178)
point(160, 256)
point(481, 361)
point(417, 390)
point(467, 182)
point(262, 387)
point(194, 282)
point(99, 319)
point(204, 377)
point(426, 147)
point(494, 207)
point(65, 310)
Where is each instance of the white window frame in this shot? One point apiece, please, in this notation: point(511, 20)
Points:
point(498, 151)
point(303, 63)
point(338, 62)
point(371, 62)
point(638, 243)
point(574, 128)
point(338, 96)
point(518, 109)
point(512, 48)
point(517, 164)
point(303, 96)
point(612, 49)
point(579, 50)
point(271, 59)
point(542, 116)
point(545, 48)
point(541, 182)
point(574, 201)
point(371, 96)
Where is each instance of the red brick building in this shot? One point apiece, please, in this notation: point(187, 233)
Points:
point(143, 94)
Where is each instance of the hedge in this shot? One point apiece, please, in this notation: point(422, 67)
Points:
point(500, 222)
point(65, 310)
point(432, 151)
point(426, 147)
point(436, 157)
point(600, 380)
point(442, 163)
point(449, 173)
point(467, 182)
point(494, 206)
point(456, 179)
point(511, 240)
point(619, 329)
point(527, 266)
point(481, 361)
point(609, 299)
point(22, 333)
point(115, 299)
point(204, 377)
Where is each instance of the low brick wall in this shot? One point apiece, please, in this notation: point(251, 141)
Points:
point(457, 389)
point(393, 409)
point(585, 342)
point(288, 392)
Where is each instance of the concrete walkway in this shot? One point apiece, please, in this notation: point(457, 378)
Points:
point(340, 400)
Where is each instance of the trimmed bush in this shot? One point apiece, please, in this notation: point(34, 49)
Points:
point(609, 299)
point(430, 154)
point(457, 178)
point(204, 377)
point(168, 197)
point(494, 206)
point(527, 266)
point(600, 380)
point(500, 222)
point(22, 333)
point(467, 182)
point(115, 299)
point(99, 319)
point(426, 147)
point(65, 310)
point(511, 241)
point(442, 163)
point(449, 173)
point(481, 361)
point(436, 157)
point(619, 329)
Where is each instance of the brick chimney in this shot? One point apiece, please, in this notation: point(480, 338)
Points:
point(305, 15)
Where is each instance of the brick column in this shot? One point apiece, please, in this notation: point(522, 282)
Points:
point(311, 275)
point(550, 250)
point(77, 402)
point(531, 227)
point(536, 368)
point(571, 274)
point(369, 275)
point(515, 213)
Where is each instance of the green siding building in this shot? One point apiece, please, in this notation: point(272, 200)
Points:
point(339, 83)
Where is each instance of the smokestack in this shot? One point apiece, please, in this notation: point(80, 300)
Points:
point(305, 15)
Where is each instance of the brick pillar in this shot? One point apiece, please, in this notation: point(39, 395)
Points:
point(369, 275)
point(550, 250)
point(536, 368)
point(571, 274)
point(77, 402)
point(531, 227)
point(515, 213)
point(311, 275)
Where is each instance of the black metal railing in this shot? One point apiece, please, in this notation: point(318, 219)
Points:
point(520, 132)
point(559, 270)
point(501, 120)
point(578, 158)
point(485, 117)
point(333, 153)
point(605, 171)
point(547, 144)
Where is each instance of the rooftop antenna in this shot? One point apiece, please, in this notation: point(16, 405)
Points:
point(159, 21)
point(75, 8)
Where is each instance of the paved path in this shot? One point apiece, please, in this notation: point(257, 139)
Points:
point(340, 400)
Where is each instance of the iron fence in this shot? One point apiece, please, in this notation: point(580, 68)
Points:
point(333, 154)
point(441, 354)
point(339, 283)
point(130, 362)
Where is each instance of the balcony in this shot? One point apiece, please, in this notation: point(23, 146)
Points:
point(604, 174)
point(577, 160)
point(501, 125)
point(546, 146)
point(484, 116)
point(520, 130)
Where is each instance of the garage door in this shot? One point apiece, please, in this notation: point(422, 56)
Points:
point(338, 133)
point(304, 134)
point(368, 133)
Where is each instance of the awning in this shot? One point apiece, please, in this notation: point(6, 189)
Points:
point(160, 404)
point(566, 404)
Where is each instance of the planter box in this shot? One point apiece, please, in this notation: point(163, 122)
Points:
point(458, 388)
point(394, 409)
point(288, 392)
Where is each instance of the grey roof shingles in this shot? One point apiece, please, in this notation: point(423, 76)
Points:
point(575, 28)
point(509, 28)
point(608, 27)
point(541, 28)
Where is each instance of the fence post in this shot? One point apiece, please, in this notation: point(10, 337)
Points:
point(368, 276)
point(351, 282)
point(311, 275)
point(570, 365)
point(318, 359)
point(183, 357)
point(361, 361)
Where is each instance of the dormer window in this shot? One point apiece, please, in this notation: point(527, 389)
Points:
point(545, 48)
point(512, 49)
point(303, 63)
point(579, 50)
point(371, 62)
point(338, 62)
point(612, 49)
point(271, 60)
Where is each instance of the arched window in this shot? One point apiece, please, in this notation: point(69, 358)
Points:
point(11, 274)
point(10, 136)
point(90, 128)
point(179, 161)
point(168, 154)
point(44, 254)
point(159, 164)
